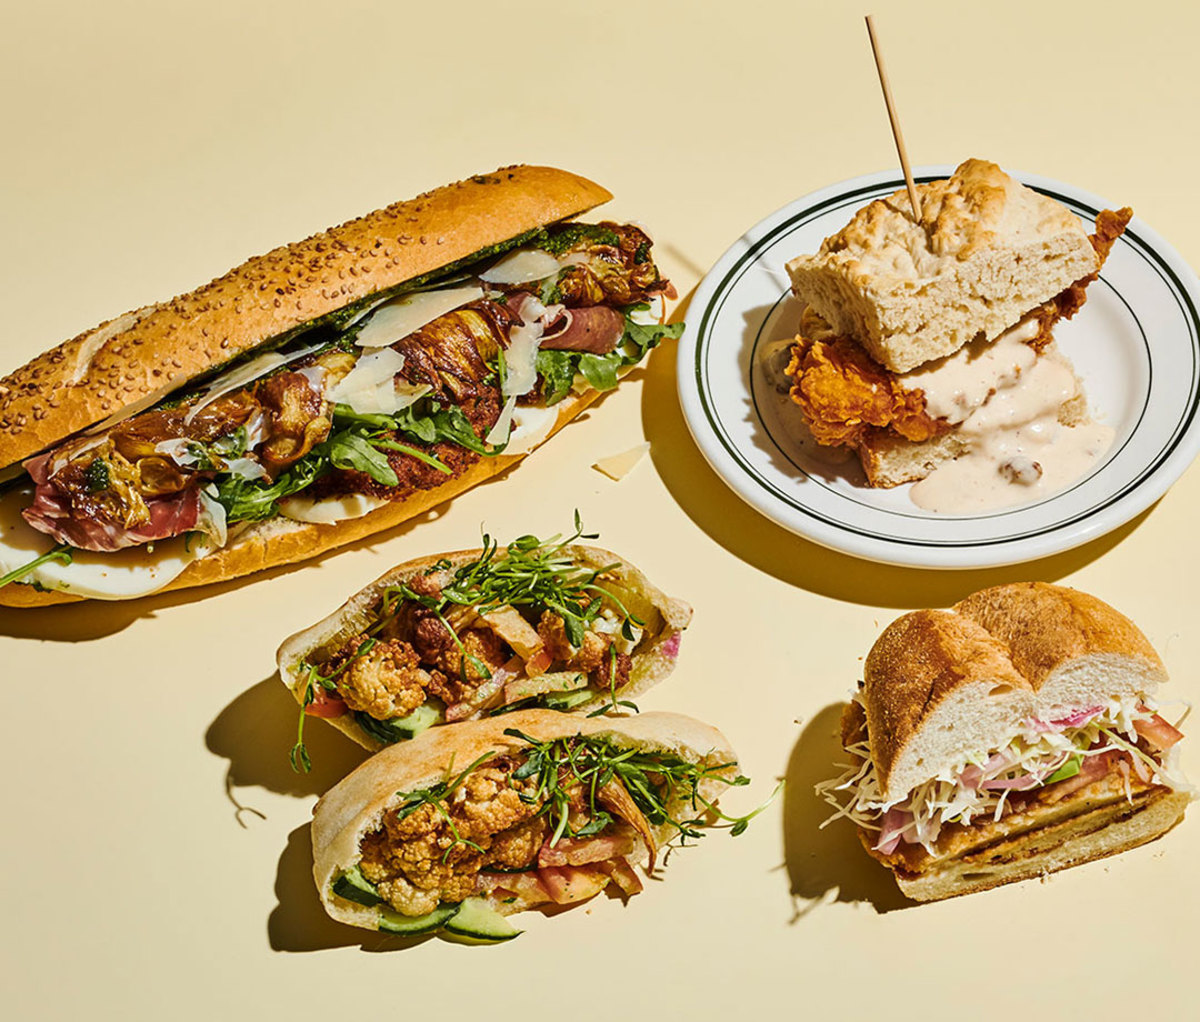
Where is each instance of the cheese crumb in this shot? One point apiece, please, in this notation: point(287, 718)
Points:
point(618, 466)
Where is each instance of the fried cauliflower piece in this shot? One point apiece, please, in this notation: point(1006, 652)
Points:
point(387, 681)
point(420, 858)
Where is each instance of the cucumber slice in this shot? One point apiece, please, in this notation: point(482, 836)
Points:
point(554, 684)
point(411, 926)
point(568, 700)
point(477, 920)
point(400, 729)
point(353, 886)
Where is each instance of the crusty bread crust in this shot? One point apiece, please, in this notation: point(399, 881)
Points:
point(280, 541)
point(147, 353)
point(355, 806)
point(985, 251)
point(664, 619)
point(939, 684)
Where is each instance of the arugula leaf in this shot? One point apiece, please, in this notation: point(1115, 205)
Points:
point(601, 370)
point(412, 452)
point(557, 370)
point(61, 553)
point(648, 335)
point(247, 500)
point(351, 451)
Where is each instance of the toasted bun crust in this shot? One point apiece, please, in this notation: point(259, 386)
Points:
point(1093, 834)
point(941, 684)
point(355, 806)
point(985, 251)
point(282, 541)
point(145, 354)
point(665, 618)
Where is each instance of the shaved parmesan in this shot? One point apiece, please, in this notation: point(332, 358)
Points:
point(618, 466)
point(402, 316)
point(520, 359)
point(530, 426)
point(245, 374)
point(371, 386)
point(246, 468)
point(521, 267)
point(499, 432)
point(330, 510)
point(123, 575)
point(212, 516)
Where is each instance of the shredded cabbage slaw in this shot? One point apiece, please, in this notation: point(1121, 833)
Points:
point(1042, 752)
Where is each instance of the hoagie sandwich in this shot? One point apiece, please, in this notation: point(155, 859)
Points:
point(538, 623)
point(320, 393)
point(1015, 734)
point(466, 825)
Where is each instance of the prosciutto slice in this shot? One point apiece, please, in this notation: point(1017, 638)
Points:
point(596, 329)
point(52, 513)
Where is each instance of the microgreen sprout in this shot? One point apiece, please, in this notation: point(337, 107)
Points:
point(299, 757)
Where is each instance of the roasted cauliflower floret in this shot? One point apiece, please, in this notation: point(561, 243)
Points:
point(386, 681)
point(418, 857)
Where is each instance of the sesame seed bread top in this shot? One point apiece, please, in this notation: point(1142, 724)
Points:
point(144, 355)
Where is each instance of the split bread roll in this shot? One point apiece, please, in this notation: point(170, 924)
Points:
point(985, 251)
point(927, 341)
point(383, 865)
point(393, 667)
point(1010, 736)
point(290, 381)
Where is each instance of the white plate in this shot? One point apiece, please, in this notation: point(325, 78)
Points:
point(1135, 344)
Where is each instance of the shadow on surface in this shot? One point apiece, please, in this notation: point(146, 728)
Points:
point(256, 732)
point(299, 922)
point(827, 864)
point(749, 536)
point(86, 620)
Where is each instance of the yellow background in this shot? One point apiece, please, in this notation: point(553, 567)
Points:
point(148, 147)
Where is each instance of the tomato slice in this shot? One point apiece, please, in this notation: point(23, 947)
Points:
point(325, 704)
point(1158, 732)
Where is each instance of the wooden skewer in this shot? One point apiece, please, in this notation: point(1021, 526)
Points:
point(891, 109)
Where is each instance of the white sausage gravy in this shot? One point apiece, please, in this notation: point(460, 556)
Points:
point(1005, 400)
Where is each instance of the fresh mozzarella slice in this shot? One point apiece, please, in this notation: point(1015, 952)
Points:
point(122, 575)
point(401, 316)
point(650, 316)
point(521, 267)
point(330, 510)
